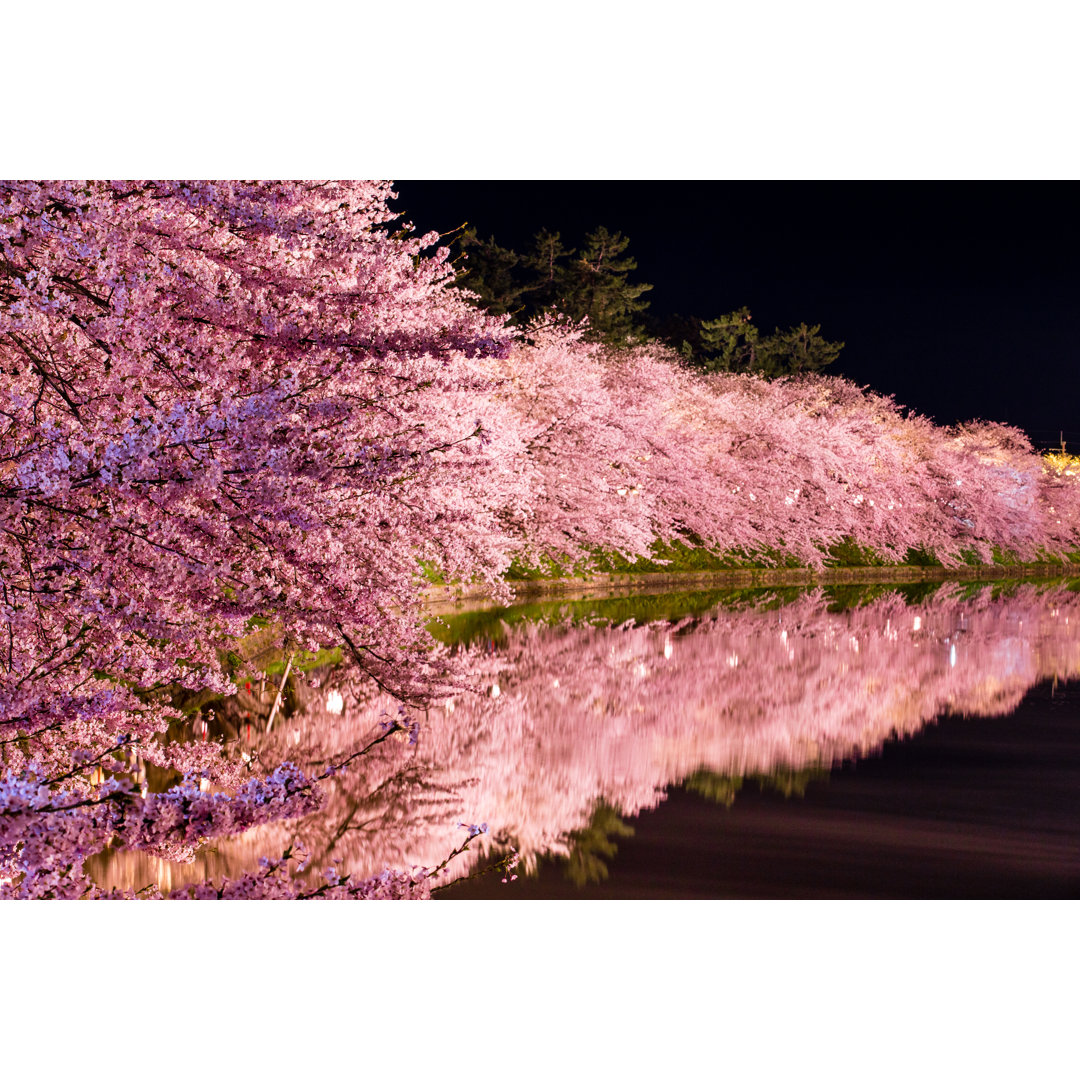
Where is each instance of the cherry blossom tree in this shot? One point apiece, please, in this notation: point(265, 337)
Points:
point(223, 401)
point(220, 401)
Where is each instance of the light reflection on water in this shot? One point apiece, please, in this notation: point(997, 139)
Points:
point(574, 725)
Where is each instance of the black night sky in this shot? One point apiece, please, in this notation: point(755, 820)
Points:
point(961, 299)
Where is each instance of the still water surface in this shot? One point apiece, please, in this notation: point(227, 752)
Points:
point(919, 742)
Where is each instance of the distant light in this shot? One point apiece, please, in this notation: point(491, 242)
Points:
point(495, 691)
point(335, 703)
point(952, 656)
point(918, 623)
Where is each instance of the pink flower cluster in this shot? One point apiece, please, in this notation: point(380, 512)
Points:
point(46, 834)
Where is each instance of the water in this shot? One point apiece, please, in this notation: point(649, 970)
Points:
point(968, 808)
point(875, 743)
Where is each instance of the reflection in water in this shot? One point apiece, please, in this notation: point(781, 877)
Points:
point(574, 719)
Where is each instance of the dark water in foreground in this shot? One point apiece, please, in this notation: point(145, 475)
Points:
point(882, 743)
point(968, 808)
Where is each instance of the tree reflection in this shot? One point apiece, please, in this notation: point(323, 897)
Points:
point(591, 846)
point(594, 722)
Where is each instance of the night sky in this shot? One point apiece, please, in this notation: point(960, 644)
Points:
point(961, 299)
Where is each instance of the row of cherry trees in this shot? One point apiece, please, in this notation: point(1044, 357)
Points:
point(230, 401)
point(631, 447)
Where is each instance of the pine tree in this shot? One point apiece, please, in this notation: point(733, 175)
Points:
point(797, 350)
point(547, 268)
point(490, 271)
point(732, 343)
point(593, 285)
point(729, 343)
point(597, 287)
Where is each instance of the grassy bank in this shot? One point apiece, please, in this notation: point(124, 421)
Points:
point(442, 598)
point(684, 566)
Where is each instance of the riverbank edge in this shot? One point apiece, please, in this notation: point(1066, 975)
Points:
point(742, 578)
